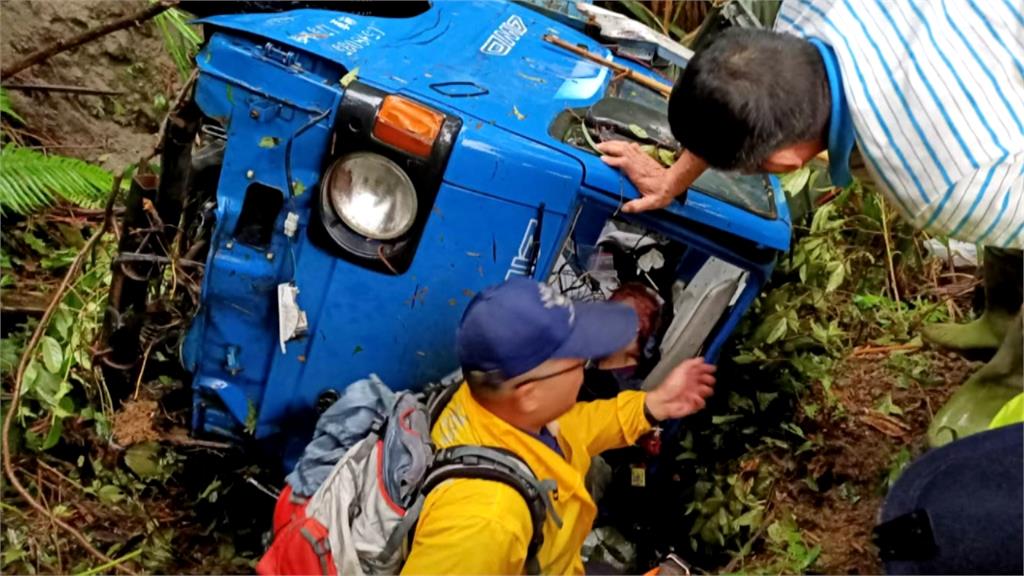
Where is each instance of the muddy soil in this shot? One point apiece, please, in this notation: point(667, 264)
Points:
point(111, 130)
point(862, 447)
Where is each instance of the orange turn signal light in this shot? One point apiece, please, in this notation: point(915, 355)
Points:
point(407, 125)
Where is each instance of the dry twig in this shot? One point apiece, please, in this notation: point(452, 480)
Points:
point(19, 377)
point(89, 35)
point(888, 255)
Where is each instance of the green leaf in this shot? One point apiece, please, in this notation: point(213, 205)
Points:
point(65, 407)
point(7, 108)
point(144, 459)
point(789, 426)
point(62, 321)
point(836, 277)
point(49, 388)
point(110, 494)
point(53, 436)
point(765, 398)
point(887, 407)
point(638, 131)
point(268, 142)
point(53, 356)
point(812, 483)
point(350, 77)
point(31, 180)
point(666, 156)
point(778, 330)
point(810, 558)
point(794, 182)
point(751, 518)
point(725, 419)
point(819, 333)
point(180, 40)
point(821, 217)
point(744, 358)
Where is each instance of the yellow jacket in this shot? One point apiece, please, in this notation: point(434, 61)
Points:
point(470, 526)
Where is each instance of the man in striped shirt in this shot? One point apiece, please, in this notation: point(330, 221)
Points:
point(931, 93)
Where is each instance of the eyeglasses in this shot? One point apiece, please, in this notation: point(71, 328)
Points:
point(572, 368)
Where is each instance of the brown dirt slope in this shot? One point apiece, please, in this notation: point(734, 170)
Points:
point(111, 130)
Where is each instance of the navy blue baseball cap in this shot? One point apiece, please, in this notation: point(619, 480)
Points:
point(510, 329)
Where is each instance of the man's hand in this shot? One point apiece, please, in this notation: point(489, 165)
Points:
point(650, 178)
point(684, 390)
point(658, 186)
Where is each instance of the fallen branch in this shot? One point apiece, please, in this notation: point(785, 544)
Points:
point(182, 440)
point(865, 350)
point(24, 302)
point(89, 35)
point(19, 377)
point(886, 424)
point(664, 89)
point(63, 88)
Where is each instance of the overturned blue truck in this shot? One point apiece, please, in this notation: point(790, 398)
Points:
point(342, 179)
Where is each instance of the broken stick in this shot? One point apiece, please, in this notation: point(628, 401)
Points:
point(89, 35)
point(663, 89)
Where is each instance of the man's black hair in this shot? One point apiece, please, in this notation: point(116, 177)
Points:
point(747, 94)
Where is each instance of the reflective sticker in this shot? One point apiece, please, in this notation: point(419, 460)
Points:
point(638, 476)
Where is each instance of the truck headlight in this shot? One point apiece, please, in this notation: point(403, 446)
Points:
point(372, 195)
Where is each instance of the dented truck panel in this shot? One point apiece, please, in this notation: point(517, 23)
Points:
point(288, 319)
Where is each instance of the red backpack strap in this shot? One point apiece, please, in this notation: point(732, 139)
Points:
point(301, 549)
point(289, 508)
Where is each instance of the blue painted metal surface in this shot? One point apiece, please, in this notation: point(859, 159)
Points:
point(271, 79)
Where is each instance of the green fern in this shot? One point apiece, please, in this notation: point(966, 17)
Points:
point(6, 108)
point(30, 180)
point(179, 38)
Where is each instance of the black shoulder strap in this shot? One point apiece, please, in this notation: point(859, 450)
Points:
point(484, 463)
point(498, 465)
point(437, 398)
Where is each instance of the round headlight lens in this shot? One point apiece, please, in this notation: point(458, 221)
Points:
point(372, 195)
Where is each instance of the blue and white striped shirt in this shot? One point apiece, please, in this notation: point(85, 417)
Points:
point(934, 91)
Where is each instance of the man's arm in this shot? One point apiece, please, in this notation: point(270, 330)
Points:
point(607, 424)
point(985, 206)
point(619, 421)
point(470, 526)
point(658, 186)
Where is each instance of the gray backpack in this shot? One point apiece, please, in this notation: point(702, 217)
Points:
point(358, 489)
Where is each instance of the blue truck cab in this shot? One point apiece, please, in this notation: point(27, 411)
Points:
point(377, 172)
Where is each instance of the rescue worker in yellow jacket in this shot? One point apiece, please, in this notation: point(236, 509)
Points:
point(523, 349)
